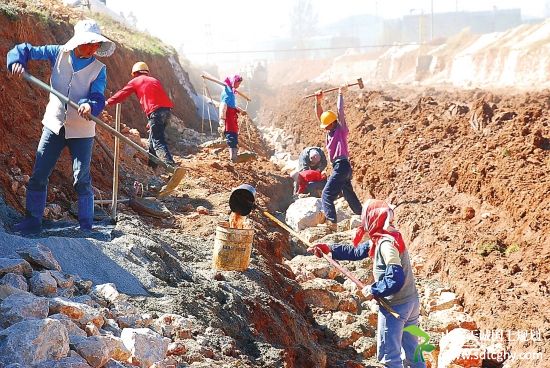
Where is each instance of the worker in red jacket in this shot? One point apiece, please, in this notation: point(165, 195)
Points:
point(155, 104)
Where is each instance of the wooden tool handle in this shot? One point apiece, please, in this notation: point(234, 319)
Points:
point(331, 89)
point(383, 303)
point(212, 79)
point(99, 122)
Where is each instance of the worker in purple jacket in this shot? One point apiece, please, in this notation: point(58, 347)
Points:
point(337, 148)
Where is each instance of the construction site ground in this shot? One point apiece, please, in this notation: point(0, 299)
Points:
point(468, 170)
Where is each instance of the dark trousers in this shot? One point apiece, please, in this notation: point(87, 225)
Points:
point(157, 142)
point(339, 182)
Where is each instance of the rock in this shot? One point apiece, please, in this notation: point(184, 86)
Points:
point(111, 327)
point(146, 346)
point(18, 266)
point(22, 306)
point(32, 342)
point(320, 298)
point(349, 334)
point(72, 328)
point(40, 256)
point(468, 213)
point(176, 348)
point(75, 361)
point(366, 346)
point(202, 210)
point(174, 326)
point(369, 316)
point(106, 292)
point(354, 222)
point(43, 284)
point(95, 350)
point(460, 348)
point(447, 320)
point(63, 281)
point(323, 284)
point(7, 290)
point(91, 329)
point(15, 281)
point(81, 313)
point(343, 212)
point(445, 300)
point(304, 212)
point(348, 304)
point(309, 267)
point(117, 350)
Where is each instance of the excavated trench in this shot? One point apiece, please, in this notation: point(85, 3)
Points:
point(469, 168)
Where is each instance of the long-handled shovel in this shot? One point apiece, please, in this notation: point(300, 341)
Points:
point(178, 172)
point(383, 303)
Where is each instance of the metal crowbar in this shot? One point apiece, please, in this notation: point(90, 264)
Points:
point(383, 303)
point(178, 172)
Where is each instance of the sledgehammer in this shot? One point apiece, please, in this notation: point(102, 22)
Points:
point(358, 83)
point(212, 79)
point(178, 172)
point(383, 303)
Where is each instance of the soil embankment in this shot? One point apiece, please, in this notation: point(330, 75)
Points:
point(468, 170)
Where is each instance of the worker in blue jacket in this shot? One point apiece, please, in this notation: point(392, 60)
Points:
point(393, 277)
point(77, 74)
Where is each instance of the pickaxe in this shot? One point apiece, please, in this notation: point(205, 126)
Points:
point(212, 79)
point(358, 83)
point(381, 301)
point(178, 172)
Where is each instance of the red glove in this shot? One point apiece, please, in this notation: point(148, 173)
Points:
point(359, 234)
point(319, 249)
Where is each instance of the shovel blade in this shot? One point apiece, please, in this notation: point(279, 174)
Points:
point(173, 183)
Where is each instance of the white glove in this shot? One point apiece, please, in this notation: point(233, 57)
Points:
point(221, 128)
point(366, 291)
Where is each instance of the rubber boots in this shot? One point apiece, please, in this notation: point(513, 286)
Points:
point(86, 211)
point(233, 154)
point(35, 205)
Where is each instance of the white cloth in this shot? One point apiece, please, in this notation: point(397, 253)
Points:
point(76, 86)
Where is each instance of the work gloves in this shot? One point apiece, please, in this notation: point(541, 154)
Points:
point(319, 249)
point(366, 291)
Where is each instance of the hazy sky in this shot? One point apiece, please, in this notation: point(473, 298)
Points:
point(236, 24)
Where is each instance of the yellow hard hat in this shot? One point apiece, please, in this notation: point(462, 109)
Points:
point(140, 66)
point(328, 117)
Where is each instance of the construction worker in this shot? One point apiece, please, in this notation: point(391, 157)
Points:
point(77, 73)
point(393, 277)
point(337, 147)
point(156, 105)
point(229, 115)
point(308, 178)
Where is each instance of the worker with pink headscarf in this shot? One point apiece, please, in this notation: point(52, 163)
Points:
point(393, 277)
point(229, 115)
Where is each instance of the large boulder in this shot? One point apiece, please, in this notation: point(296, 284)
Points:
point(15, 281)
point(21, 306)
point(32, 342)
point(40, 256)
point(43, 284)
point(305, 212)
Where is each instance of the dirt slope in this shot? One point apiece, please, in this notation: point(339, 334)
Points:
point(419, 148)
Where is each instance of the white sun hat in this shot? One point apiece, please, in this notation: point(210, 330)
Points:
point(87, 31)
